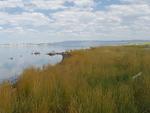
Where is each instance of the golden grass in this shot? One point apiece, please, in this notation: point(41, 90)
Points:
point(99, 80)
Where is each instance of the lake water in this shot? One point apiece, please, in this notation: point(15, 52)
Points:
point(15, 58)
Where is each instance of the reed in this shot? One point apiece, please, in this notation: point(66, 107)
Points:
point(98, 80)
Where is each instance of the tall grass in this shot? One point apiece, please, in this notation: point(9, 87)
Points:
point(99, 80)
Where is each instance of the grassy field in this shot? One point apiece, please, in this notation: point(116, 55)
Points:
point(98, 80)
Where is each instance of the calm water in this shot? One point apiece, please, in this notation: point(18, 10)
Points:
point(14, 59)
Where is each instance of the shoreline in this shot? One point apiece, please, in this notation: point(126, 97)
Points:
point(66, 54)
point(98, 75)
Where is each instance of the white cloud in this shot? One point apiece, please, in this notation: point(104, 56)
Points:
point(83, 3)
point(117, 19)
point(10, 3)
point(130, 9)
point(44, 4)
point(41, 4)
point(129, 20)
point(135, 1)
point(31, 19)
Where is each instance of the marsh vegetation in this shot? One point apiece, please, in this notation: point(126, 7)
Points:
point(98, 80)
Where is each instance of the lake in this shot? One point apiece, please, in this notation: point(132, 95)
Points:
point(15, 58)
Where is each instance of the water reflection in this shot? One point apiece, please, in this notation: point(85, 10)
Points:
point(15, 59)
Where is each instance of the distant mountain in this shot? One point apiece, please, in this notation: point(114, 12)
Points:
point(98, 43)
point(78, 43)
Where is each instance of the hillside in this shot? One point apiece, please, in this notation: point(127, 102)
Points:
point(97, 80)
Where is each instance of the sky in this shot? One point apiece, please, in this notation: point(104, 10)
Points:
point(40, 21)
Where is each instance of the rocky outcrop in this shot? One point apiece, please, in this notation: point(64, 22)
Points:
point(64, 54)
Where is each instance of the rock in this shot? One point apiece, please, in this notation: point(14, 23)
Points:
point(11, 58)
point(36, 53)
point(137, 75)
point(51, 54)
point(64, 54)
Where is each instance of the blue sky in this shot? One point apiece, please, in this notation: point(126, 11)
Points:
point(23, 21)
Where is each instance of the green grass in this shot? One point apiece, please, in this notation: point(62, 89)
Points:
point(99, 80)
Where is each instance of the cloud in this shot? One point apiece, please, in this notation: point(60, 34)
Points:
point(24, 19)
point(129, 19)
point(10, 3)
point(44, 4)
point(83, 3)
point(135, 1)
point(116, 19)
point(40, 4)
